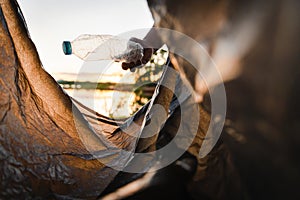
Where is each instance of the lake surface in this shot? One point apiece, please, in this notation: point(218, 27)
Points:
point(110, 103)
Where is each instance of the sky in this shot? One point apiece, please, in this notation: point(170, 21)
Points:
point(50, 22)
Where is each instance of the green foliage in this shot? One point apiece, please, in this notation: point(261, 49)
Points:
point(152, 71)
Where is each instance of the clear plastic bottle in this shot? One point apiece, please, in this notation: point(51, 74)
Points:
point(103, 47)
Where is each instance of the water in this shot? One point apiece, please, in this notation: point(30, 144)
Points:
point(111, 103)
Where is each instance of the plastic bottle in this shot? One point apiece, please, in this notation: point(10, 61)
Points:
point(103, 47)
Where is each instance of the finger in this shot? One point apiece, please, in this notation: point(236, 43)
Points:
point(126, 66)
point(133, 69)
point(138, 63)
point(147, 55)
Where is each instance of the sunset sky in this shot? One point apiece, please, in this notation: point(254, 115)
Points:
point(50, 22)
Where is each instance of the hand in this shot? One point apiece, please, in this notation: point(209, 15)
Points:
point(147, 53)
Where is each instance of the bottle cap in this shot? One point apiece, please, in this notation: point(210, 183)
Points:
point(67, 47)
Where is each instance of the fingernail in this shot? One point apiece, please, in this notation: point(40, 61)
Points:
point(132, 69)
